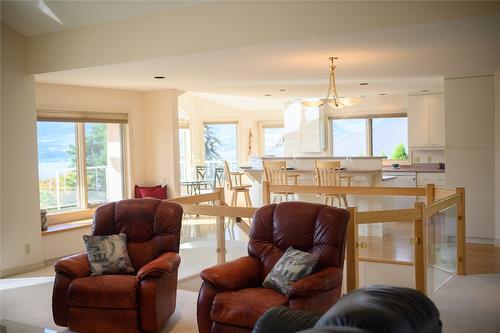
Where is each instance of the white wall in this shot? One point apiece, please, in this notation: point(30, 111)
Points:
point(20, 214)
point(74, 98)
point(497, 157)
point(162, 139)
point(470, 132)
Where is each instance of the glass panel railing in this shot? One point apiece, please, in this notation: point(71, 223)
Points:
point(236, 238)
point(198, 244)
point(386, 254)
point(441, 234)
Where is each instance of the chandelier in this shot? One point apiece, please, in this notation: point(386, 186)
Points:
point(332, 99)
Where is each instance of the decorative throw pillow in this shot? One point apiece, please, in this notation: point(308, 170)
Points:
point(292, 266)
point(157, 192)
point(108, 254)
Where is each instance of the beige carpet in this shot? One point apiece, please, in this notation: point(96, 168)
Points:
point(31, 305)
point(470, 304)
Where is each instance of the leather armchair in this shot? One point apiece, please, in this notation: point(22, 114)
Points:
point(231, 298)
point(124, 303)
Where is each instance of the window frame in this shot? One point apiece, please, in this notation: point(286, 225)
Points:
point(261, 126)
point(86, 210)
point(220, 122)
point(369, 132)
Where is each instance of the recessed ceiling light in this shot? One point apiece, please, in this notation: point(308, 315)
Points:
point(268, 95)
point(159, 77)
point(363, 84)
point(282, 90)
point(382, 94)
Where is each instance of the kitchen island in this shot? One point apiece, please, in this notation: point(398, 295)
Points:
point(366, 171)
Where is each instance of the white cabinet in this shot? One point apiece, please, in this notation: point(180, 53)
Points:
point(305, 129)
point(436, 178)
point(426, 120)
point(436, 120)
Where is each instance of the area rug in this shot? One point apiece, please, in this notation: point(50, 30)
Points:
point(470, 304)
point(30, 304)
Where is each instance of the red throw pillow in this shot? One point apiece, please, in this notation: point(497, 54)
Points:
point(156, 192)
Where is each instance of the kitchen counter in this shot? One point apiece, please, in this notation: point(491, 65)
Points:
point(419, 168)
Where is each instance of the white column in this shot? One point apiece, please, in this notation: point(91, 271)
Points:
point(161, 130)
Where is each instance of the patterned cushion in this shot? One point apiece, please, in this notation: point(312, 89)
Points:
point(108, 254)
point(292, 266)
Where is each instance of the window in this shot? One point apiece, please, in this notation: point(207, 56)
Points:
point(273, 141)
point(80, 165)
point(377, 136)
point(390, 137)
point(349, 137)
point(221, 144)
point(184, 152)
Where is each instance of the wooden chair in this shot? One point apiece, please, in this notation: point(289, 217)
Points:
point(328, 173)
point(235, 185)
point(277, 174)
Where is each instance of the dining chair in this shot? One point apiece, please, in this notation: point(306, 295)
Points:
point(329, 173)
point(277, 174)
point(234, 184)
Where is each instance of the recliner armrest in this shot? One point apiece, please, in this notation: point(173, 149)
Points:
point(283, 319)
point(237, 274)
point(167, 262)
point(75, 266)
point(325, 279)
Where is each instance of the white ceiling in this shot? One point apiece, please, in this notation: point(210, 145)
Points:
point(28, 18)
point(395, 61)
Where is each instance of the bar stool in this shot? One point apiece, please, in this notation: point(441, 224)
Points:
point(328, 173)
point(277, 174)
point(237, 186)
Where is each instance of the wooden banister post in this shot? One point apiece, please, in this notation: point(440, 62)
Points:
point(266, 195)
point(221, 240)
point(419, 246)
point(352, 268)
point(461, 232)
point(431, 193)
point(222, 199)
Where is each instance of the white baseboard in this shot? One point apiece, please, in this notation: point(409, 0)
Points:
point(19, 270)
point(485, 241)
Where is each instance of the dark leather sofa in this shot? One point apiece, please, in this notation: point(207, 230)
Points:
point(378, 309)
point(124, 303)
point(231, 298)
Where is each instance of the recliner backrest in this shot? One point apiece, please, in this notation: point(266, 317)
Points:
point(152, 226)
point(309, 227)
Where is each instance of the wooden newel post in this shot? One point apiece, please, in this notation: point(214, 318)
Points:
point(431, 193)
point(222, 199)
point(221, 240)
point(352, 279)
point(419, 246)
point(266, 195)
point(461, 232)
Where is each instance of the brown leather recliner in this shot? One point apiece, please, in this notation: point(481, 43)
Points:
point(231, 298)
point(124, 303)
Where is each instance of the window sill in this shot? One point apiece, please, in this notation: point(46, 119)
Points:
point(67, 226)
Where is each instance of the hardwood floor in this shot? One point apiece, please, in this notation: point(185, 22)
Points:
point(482, 259)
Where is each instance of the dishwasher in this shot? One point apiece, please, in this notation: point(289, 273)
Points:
point(402, 179)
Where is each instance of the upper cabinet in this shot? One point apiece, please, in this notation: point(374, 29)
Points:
point(426, 121)
point(305, 129)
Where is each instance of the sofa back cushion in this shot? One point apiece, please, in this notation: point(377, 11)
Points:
point(152, 227)
point(309, 227)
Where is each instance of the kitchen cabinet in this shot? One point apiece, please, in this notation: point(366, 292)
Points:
point(305, 129)
point(436, 178)
point(426, 121)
